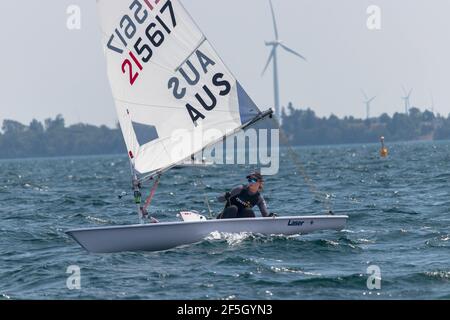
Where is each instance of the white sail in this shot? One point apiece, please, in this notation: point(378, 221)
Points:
point(166, 77)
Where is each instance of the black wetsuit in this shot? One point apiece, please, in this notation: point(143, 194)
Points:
point(241, 203)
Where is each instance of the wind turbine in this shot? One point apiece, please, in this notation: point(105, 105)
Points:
point(367, 102)
point(275, 44)
point(406, 99)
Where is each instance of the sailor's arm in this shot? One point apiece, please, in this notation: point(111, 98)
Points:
point(263, 207)
point(233, 193)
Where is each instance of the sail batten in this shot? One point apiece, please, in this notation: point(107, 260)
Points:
point(193, 51)
point(167, 78)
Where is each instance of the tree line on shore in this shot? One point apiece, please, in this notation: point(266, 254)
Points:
point(302, 127)
point(54, 138)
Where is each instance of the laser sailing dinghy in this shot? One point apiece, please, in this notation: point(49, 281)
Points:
point(168, 82)
point(163, 236)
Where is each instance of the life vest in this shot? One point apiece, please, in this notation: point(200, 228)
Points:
point(245, 200)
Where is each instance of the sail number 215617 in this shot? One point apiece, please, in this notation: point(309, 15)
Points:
point(156, 30)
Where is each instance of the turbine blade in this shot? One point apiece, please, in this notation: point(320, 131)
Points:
point(371, 99)
point(404, 90)
point(275, 27)
point(292, 51)
point(409, 94)
point(364, 94)
point(268, 61)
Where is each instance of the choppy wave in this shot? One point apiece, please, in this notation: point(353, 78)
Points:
point(398, 221)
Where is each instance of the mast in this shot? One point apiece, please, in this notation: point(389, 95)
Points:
point(276, 86)
point(136, 187)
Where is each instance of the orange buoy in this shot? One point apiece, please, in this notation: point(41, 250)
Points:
point(384, 152)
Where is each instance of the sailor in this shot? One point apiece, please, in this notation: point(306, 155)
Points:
point(241, 200)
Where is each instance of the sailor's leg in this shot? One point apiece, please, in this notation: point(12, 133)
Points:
point(247, 213)
point(230, 213)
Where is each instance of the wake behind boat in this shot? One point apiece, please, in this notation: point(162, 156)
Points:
point(164, 236)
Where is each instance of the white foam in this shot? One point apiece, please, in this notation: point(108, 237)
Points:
point(231, 238)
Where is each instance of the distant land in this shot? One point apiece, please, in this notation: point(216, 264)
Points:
point(302, 127)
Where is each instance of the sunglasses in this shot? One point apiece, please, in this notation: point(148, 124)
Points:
point(252, 180)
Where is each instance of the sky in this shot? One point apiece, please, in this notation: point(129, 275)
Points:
point(48, 69)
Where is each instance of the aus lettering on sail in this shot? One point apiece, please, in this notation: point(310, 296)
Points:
point(157, 25)
point(198, 68)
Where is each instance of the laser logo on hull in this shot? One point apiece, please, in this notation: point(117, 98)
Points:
point(295, 223)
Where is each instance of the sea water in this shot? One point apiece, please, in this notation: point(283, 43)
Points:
point(399, 225)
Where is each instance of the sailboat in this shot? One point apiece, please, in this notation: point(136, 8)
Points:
point(166, 76)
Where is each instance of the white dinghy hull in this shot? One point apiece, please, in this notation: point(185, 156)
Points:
point(164, 236)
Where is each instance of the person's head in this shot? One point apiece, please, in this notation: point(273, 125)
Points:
point(255, 182)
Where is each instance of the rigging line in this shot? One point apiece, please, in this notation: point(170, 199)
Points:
point(300, 167)
point(149, 199)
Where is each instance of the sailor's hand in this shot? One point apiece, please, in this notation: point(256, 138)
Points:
point(227, 196)
point(273, 215)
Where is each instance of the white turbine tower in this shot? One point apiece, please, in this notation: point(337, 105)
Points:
point(432, 102)
point(367, 103)
point(406, 99)
point(275, 44)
